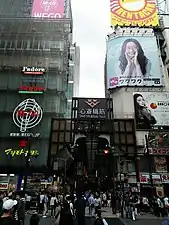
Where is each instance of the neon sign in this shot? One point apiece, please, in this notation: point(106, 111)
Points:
point(19, 152)
point(33, 70)
point(31, 89)
point(27, 114)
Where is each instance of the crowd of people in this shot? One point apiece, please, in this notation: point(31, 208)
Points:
point(66, 208)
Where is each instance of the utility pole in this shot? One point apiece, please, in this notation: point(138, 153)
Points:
point(27, 166)
point(150, 161)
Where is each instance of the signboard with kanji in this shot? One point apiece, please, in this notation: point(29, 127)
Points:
point(92, 109)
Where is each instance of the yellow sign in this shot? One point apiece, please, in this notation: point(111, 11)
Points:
point(134, 13)
point(19, 152)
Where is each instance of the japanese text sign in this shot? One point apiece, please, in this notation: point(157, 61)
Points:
point(92, 108)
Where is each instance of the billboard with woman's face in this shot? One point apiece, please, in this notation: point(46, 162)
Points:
point(151, 110)
point(133, 61)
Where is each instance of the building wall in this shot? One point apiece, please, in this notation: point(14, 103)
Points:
point(22, 44)
point(74, 76)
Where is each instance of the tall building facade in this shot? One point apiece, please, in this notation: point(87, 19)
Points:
point(74, 77)
point(34, 71)
point(137, 80)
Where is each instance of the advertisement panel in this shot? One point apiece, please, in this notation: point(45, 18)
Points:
point(151, 110)
point(92, 108)
point(160, 164)
point(133, 13)
point(48, 8)
point(133, 61)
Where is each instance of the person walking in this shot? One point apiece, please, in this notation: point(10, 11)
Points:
point(53, 204)
point(66, 217)
point(20, 209)
point(7, 216)
point(80, 209)
point(99, 219)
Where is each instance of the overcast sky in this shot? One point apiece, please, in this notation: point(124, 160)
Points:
point(91, 21)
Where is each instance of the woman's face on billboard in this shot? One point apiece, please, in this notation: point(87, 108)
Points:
point(141, 102)
point(131, 49)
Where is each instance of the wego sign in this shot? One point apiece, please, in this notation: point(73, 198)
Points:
point(27, 115)
point(48, 8)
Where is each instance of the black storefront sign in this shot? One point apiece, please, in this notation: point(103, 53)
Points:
point(93, 108)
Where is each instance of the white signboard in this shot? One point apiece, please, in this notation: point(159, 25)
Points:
point(27, 114)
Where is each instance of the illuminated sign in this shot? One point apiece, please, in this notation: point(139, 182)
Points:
point(19, 152)
point(35, 135)
point(27, 114)
point(31, 89)
point(4, 186)
point(33, 70)
point(159, 151)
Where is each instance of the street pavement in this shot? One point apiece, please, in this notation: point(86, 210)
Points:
point(147, 219)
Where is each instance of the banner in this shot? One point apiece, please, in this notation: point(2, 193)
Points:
point(48, 9)
point(151, 110)
point(133, 13)
point(160, 164)
point(133, 61)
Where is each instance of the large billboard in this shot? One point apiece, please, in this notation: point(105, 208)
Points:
point(48, 8)
point(151, 110)
point(133, 61)
point(133, 13)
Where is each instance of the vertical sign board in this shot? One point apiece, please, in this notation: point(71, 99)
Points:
point(95, 109)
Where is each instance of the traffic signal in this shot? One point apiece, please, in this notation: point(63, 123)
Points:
point(106, 151)
point(23, 143)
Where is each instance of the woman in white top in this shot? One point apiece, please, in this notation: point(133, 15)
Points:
point(53, 204)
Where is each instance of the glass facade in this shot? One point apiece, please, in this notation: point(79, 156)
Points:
point(73, 78)
point(32, 43)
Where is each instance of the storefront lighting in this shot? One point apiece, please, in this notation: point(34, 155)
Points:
point(31, 92)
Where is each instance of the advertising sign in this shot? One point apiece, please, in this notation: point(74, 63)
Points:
point(92, 108)
point(27, 114)
point(19, 152)
point(133, 61)
point(165, 178)
point(3, 186)
point(160, 164)
point(48, 9)
point(133, 13)
point(31, 90)
point(145, 178)
point(151, 110)
point(33, 70)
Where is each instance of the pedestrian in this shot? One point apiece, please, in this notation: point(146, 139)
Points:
point(91, 205)
point(53, 204)
point(7, 216)
point(99, 219)
point(20, 209)
point(45, 204)
point(113, 203)
point(66, 217)
point(80, 209)
point(34, 220)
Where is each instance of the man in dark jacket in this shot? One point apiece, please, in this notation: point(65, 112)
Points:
point(80, 209)
point(20, 209)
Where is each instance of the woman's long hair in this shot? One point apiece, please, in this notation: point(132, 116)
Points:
point(136, 105)
point(142, 59)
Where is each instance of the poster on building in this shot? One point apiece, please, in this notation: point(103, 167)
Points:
point(48, 9)
point(134, 13)
point(151, 110)
point(133, 61)
point(160, 164)
point(92, 108)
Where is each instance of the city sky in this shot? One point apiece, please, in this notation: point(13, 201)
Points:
point(91, 22)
